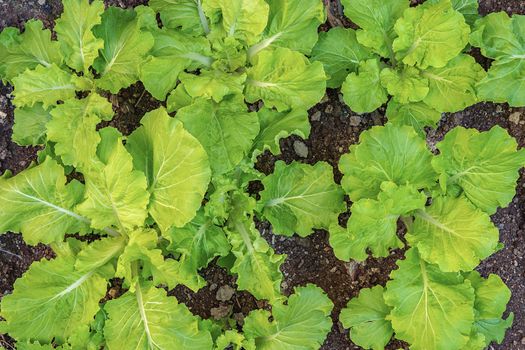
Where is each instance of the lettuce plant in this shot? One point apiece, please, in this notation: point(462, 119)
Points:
point(502, 39)
point(95, 51)
point(413, 54)
point(142, 198)
point(254, 49)
point(434, 300)
point(171, 197)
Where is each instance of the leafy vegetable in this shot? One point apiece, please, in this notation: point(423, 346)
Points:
point(431, 301)
point(251, 48)
point(501, 38)
point(301, 324)
point(299, 197)
point(166, 201)
point(366, 317)
point(413, 54)
point(47, 74)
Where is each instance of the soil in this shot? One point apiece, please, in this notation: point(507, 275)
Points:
point(311, 259)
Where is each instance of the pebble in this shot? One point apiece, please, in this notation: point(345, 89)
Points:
point(301, 149)
point(499, 109)
point(329, 109)
point(355, 120)
point(523, 340)
point(220, 312)
point(3, 115)
point(225, 293)
point(316, 116)
point(515, 117)
point(41, 2)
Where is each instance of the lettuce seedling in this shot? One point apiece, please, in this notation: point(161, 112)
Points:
point(444, 201)
point(413, 54)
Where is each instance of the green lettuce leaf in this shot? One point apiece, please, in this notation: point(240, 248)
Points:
point(99, 253)
point(468, 8)
point(149, 319)
point(20, 52)
point(502, 38)
point(125, 46)
point(484, 165)
point(244, 20)
point(115, 193)
point(340, 53)
point(229, 54)
point(430, 35)
point(74, 32)
point(453, 87)
point(407, 85)
point(377, 19)
point(233, 340)
point(431, 309)
point(362, 91)
point(176, 167)
point(39, 204)
point(172, 53)
point(198, 243)
point(453, 234)
point(178, 98)
point(285, 79)
point(213, 84)
point(418, 115)
point(373, 223)
point(52, 301)
point(492, 296)
point(188, 15)
point(73, 128)
point(292, 24)
point(366, 317)
point(302, 323)
point(256, 264)
point(226, 130)
point(298, 198)
point(29, 128)
point(275, 126)
point(390, 153)
point(47, 85)
point(142, 259)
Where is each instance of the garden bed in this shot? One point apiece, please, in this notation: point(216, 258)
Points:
point(310, 259)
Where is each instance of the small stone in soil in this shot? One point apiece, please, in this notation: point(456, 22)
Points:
point(225, 293)
point(515, 117)
point(300, 149)
point(355, 120)
point(316, 116)
point(221, 311)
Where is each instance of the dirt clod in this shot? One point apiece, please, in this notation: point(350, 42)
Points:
point(225, 293)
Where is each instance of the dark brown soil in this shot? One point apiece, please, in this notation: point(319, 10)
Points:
point(310, 260)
